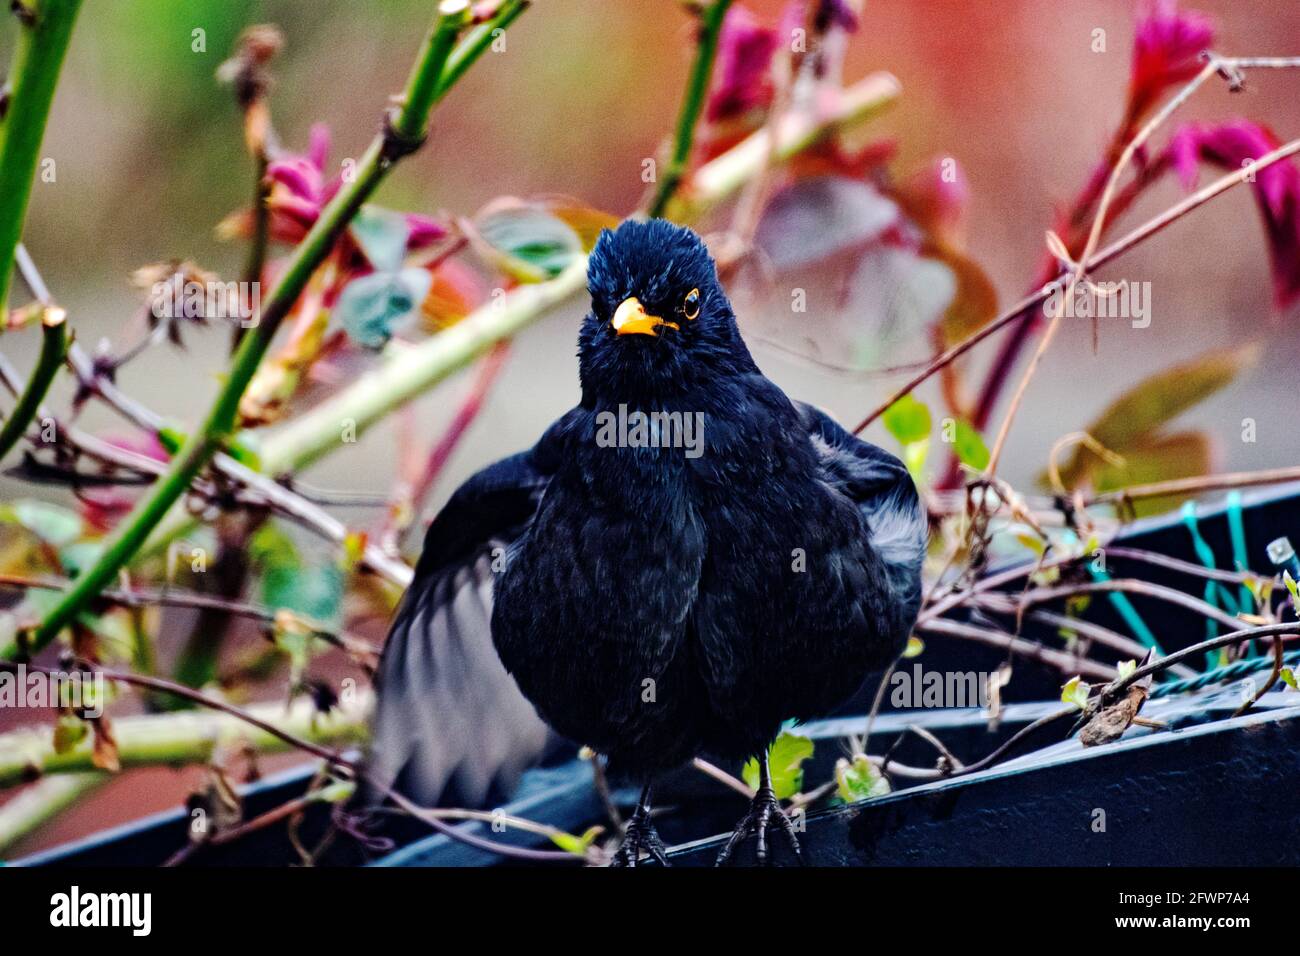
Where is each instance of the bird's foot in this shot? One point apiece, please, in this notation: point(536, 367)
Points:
point(765, 814)
point(640, 836)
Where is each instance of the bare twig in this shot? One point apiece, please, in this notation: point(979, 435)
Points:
point(1094, 262)
point(1065, 663)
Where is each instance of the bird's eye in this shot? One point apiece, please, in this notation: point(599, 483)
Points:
point(691, 305)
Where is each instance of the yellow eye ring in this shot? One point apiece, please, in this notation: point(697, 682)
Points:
point(691, 305)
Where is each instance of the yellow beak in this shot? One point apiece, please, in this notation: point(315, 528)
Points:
point(631, 319)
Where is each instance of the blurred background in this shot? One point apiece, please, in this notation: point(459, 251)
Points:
point(149, 158)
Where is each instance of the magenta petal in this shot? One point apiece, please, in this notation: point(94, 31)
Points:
point(745, 50)
point(1167, 48)
point(318, 146)
point(300, 210)
point(297, 175)
point(1184, 154)
point(1277, 189)
point(423, 231)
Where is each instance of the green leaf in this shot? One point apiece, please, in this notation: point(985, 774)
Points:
point(340, 791)
point(915, 647)
point(583, 220)
point(1288, 677)
point(1124, 668)
point(69, 731)
point(914, 457)
point(313, 591)
point(1032, 541)
point(975, 303)
point(908, 420)
point(57, 527)
point(372, 307)
point(1293, 589)
point(859, 779)
point(1075, 692)
point(526, 242)
point(1131, 425)
point(382, 236)
point(80, 555)
point(969, 446)
point(1158, 399)
point(785, 758)
point(577, 845)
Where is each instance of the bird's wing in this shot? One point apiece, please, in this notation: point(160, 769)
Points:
point(884, 492)
point(450, 722)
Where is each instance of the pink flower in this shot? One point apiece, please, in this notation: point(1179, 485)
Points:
point(300, 190)
point(741, 81)
point(1166, 51)
point(1277, 188)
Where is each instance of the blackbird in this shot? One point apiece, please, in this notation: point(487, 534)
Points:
point(685, 561)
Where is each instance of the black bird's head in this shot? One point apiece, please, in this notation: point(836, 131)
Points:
point(659, 323)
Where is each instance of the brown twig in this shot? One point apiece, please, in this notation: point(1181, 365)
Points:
point(1196, 485)
point(1273, 676)
point(1130, 586)
point(1092, 263)
point(724, 778)
point(1283, 631)
point(331, 757)
point(1065, 663)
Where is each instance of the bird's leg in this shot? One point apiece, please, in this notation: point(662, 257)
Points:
point(764, 813)
point(639, 834)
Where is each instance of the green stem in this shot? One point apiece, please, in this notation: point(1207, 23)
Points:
point(54, 345)
point(43, 801)
point(404, 135)
point(183, 737)
point(697, 89)
point(42, 43)
point(422, 89)
point(476, 42)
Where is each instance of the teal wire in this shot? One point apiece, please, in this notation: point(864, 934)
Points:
point(1220, 674)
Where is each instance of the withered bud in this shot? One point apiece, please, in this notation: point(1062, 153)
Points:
point(246, 69)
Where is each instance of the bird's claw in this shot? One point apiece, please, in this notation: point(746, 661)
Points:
point(764, 813)
point(640, 836)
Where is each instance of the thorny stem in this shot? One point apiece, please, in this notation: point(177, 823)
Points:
point(257, 248)
point(283, 500)
point(697, 89)
point(724, 778)
point(401, 136)
point(42, 43)
point(946, 603)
